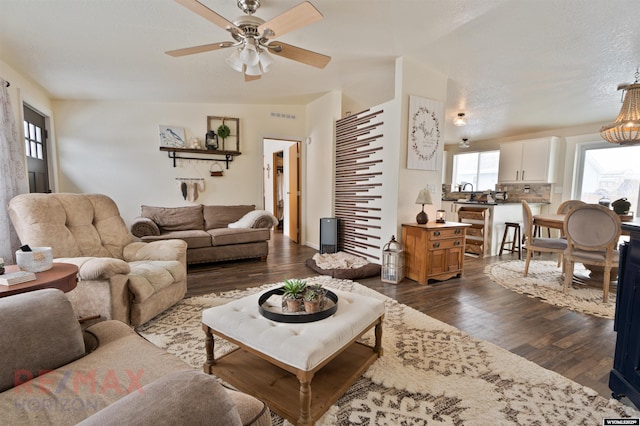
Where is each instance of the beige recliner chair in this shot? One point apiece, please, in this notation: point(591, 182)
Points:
point(118, 278)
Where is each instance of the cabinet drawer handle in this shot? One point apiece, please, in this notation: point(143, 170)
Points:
point(436, 245)
point(458, 231)
point(457, 243)
point(436, 233)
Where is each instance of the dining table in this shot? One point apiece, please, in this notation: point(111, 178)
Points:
point(553, 221)
point(556, 221)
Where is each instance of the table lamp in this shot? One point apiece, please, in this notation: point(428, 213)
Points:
point(424, 197)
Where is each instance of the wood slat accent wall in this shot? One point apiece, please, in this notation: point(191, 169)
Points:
point(358, 183)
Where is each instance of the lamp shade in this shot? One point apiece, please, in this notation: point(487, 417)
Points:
point(249, 54)
point(234, 60)
point(265, 60)
point(424, 197)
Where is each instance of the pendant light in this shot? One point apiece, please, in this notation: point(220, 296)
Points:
point(625, 130)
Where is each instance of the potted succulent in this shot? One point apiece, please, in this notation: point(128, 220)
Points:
point(293, 292)
point(313, 297)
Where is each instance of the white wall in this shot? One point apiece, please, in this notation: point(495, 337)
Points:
point(113, 148)
point(417, 80)
point(318, 157)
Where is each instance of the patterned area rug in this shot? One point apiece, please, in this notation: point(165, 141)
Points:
point(430, 373)
point(545, 281)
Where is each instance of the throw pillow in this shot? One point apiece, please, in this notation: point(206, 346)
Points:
point(255, 219)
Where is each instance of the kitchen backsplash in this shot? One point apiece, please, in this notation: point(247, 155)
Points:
point(516, 192)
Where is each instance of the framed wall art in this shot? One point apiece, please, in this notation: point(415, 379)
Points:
point(228, 131)
point(425, 134)
point(172, 137)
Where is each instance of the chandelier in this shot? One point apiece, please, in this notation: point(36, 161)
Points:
point(625, 130)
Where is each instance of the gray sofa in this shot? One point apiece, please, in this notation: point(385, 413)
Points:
point(212, 233)
point(53, 373)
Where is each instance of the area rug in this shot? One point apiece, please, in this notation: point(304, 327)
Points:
point(545, 281)
point(430, 373)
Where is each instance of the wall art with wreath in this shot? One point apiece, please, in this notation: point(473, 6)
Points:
point(425, 134)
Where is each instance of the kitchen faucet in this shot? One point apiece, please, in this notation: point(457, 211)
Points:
point(465, 185)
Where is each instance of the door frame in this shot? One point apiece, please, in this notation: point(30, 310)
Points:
point(47, 145)
point(268, 181)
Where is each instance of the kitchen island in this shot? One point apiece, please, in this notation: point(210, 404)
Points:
point(493, 224)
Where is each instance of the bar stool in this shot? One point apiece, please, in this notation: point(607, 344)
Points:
point(515, 243)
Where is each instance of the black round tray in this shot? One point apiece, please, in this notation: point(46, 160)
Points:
point(296, 317)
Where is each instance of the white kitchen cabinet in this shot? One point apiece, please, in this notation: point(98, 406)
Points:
point(450, 208)
point(529, 161)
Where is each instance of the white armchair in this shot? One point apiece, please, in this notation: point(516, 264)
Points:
point(118, 278)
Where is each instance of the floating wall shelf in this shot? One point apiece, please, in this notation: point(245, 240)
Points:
point(178, 153)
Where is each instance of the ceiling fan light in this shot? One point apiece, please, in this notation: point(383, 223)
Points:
point(234, 60)
point(249, 54)
point(460, 120)
point(265, 60)
point(253, 70)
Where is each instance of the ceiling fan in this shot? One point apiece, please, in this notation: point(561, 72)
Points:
point(253, 37)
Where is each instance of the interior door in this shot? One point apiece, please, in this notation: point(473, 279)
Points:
point(35, 139)
point(294, 193)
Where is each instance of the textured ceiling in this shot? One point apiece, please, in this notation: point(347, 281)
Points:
point(514, 66)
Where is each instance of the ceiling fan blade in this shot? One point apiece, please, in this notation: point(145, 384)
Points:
point(301, 55)
point(208, 14)
point(251, 77)
point(198, 49)
point(294, 18)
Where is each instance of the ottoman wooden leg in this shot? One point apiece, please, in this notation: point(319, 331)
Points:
point(209, 346)
point(305, 399)
point(378, 332)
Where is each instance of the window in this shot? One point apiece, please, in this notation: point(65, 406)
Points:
point(608, 171)
point(478, 168)
point(33, 141)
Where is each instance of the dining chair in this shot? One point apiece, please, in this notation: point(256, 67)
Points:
point(568, 205)
point(565, 206)
point(538, 244)
point(592, 233)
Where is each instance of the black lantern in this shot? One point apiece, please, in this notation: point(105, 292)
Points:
point(211, 140)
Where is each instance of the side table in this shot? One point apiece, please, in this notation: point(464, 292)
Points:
point(433, 250)
point(63, 276)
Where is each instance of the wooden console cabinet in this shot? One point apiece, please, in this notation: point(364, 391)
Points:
point(433, 250)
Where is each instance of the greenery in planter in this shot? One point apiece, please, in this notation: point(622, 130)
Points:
point(313, 297)
point(294, 289)
point(621, 206)
point(314, 292)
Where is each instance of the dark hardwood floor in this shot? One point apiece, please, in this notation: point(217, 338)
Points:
point(574, 345)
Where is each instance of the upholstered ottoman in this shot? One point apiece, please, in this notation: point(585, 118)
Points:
point(277, 361)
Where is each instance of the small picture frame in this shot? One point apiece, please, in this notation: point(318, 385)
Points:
point(172, 137)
